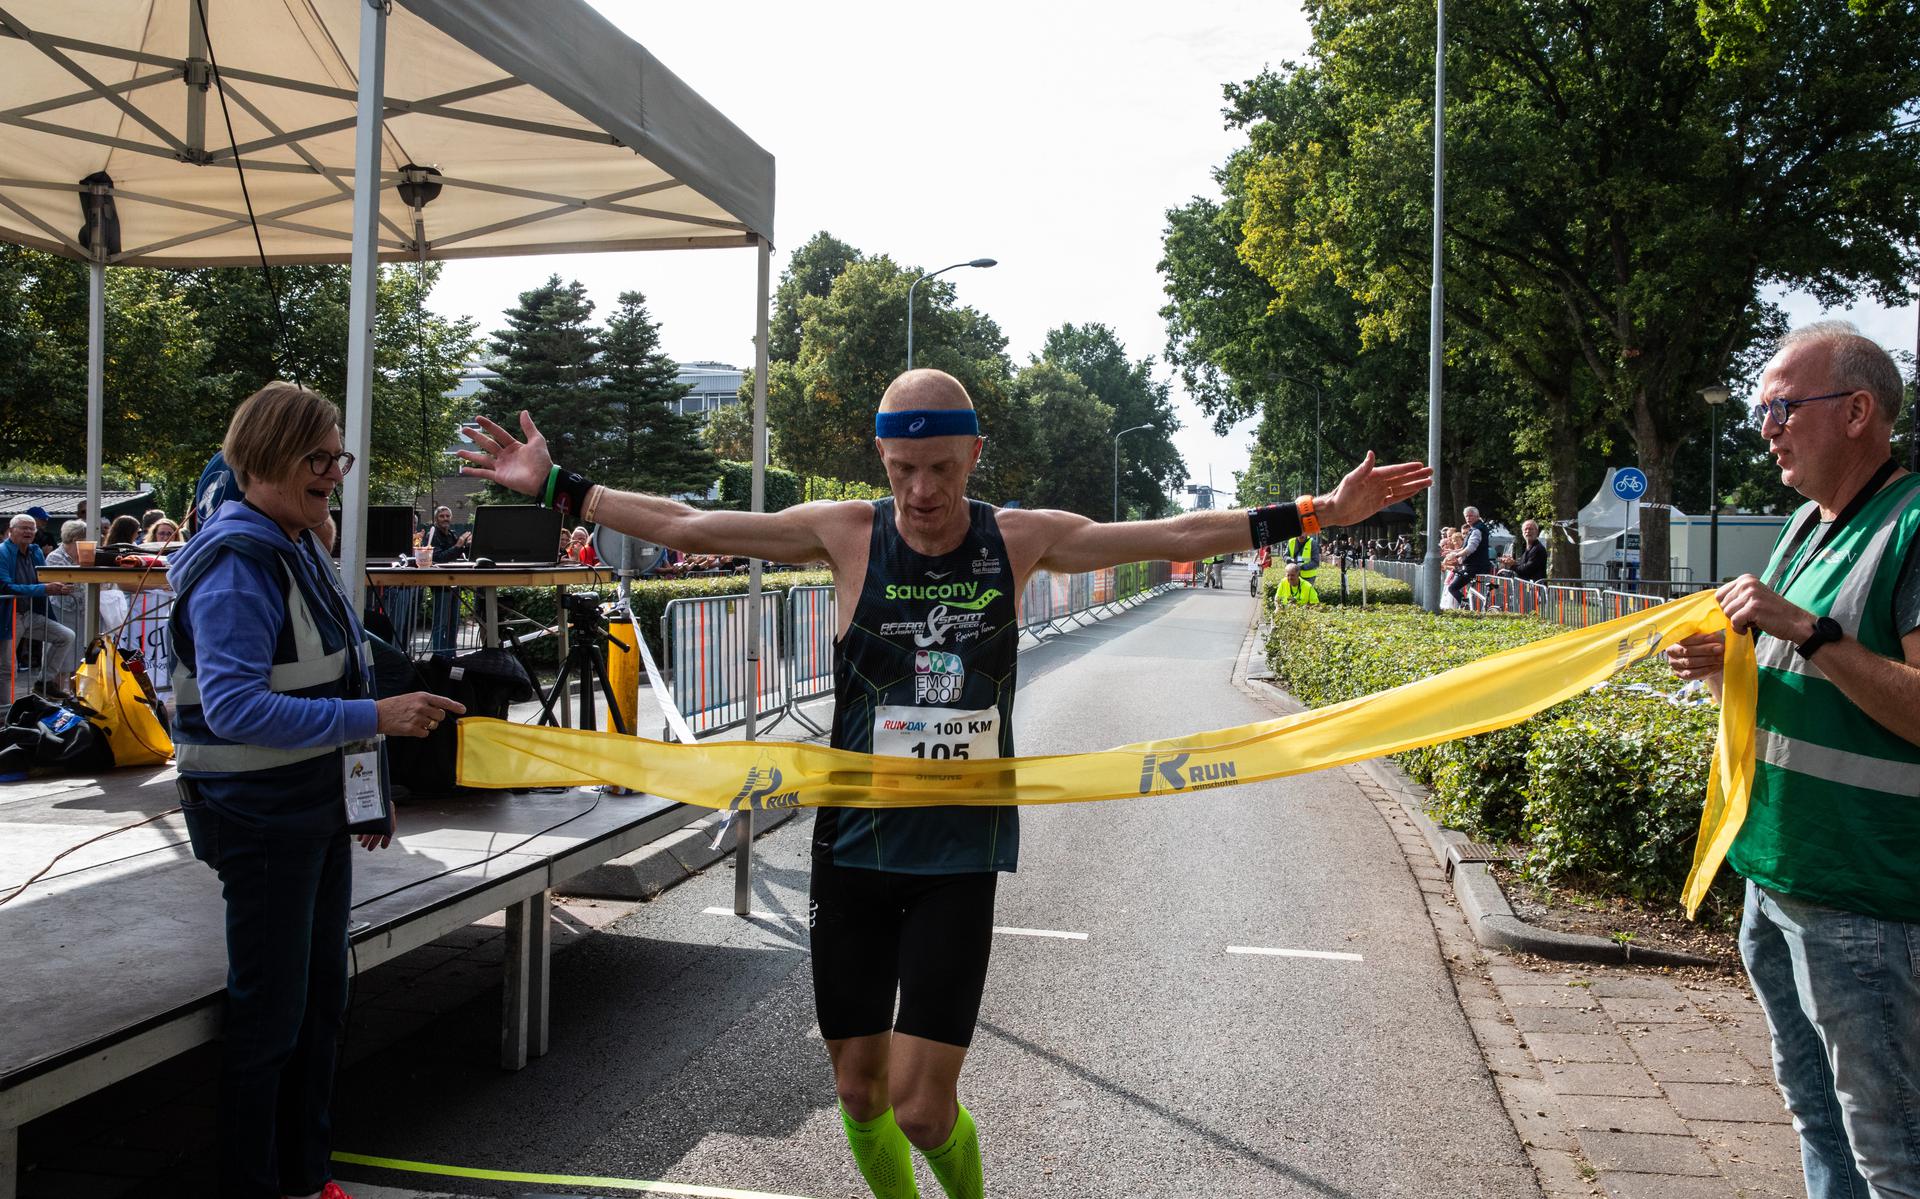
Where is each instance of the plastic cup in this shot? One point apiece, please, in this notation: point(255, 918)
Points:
point(423, 555)
point(85, 550)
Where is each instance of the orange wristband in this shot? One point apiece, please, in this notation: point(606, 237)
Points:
point(1309, 523)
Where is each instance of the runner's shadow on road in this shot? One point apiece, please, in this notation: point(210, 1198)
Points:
point(1210, 1136)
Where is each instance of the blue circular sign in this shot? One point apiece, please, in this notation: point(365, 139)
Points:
point(1629, 483)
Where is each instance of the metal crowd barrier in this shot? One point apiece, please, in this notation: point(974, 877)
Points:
point(705, 640)
point(1393, 568)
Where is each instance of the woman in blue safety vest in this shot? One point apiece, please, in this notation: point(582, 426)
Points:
point(278, 739)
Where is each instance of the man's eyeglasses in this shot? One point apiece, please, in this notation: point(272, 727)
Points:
point(1782, 410)
point(320, 460)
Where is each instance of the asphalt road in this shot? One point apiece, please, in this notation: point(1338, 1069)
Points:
point(1143, 1060)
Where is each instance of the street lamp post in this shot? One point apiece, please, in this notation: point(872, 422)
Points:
point(1116, 466)
point(1430, 569)
point(981, 262)
point(1714, 396)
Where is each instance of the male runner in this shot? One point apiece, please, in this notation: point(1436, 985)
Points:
point(927, 582)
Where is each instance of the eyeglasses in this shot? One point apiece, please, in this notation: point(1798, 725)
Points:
point(1782, 410)
point(320, 460)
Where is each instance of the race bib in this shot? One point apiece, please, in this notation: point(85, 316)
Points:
point(910, 731)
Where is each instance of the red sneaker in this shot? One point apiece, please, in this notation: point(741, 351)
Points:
point(332, 1191)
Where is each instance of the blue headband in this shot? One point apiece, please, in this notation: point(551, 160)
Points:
point(946, 422)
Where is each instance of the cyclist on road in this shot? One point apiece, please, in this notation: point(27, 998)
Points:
point(926, 581)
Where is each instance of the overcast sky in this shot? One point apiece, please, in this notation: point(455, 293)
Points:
point(1051, 136)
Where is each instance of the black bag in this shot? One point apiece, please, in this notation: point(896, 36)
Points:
point(487, 682)
point(60, 737)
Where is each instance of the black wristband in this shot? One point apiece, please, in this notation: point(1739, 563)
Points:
point(1273, 524)
point(570, 490)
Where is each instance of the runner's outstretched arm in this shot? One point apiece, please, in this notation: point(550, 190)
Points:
point(792, 535)
point(1073, 543)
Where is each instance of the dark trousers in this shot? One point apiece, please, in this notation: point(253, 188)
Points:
point(288, 901)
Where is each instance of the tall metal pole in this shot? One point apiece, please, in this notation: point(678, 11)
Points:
point(96, 403)
point(1116, 465)
point(1713, 501)
point(910, 288)
point(362, 297)
point(743, 821)
point(1430, 568)
point(1913, 429)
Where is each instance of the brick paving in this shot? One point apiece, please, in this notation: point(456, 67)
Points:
point(1625, 1082)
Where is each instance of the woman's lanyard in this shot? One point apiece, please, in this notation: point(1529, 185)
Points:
point(1847, 513)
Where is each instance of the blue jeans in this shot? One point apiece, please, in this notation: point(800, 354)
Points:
point(1841, 991)
point(288, 902)
point(446, 619)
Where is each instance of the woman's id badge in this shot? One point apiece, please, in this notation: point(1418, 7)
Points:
point(362, 775)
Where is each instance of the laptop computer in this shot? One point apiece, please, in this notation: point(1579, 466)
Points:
point(516, 535)
point(389, 531)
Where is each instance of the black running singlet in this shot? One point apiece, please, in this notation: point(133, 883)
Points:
point(926, 670)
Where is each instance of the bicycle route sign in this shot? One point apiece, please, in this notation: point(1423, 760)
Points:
point(1629, 483)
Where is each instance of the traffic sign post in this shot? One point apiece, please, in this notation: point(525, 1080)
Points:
point(1630, 483)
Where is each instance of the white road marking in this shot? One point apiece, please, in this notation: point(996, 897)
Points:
point(782, 917)
point(775, 917)
point(1295, 953)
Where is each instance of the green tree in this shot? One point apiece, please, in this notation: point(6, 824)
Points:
point(656, 448)
point(547, 362)
point(853, 344)
point(810, 272)
point(728, 432)
point(1623, 177)
point(1071, 441)
point(1152, 467)
point(418, 356)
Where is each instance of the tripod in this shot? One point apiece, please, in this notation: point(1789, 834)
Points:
point(588, 643)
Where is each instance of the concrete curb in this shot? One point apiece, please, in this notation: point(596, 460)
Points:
point(1494, 922)
point(661, 865)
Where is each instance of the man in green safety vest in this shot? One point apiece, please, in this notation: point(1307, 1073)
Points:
point(1830, 846)
point(1294, 589)
point(1305, 551)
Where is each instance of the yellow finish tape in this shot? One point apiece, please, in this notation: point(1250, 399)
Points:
point(564, 1180)
point(1493, 693)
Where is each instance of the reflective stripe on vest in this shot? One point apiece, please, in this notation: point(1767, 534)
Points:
point(1837, 765)
point(287, 676)
point(1849, 604)
point(1302, 548)
point(311, 668)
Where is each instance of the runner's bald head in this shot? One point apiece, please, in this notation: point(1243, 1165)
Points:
point(925, 390)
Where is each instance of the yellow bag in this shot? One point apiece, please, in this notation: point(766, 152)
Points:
point(131, 728)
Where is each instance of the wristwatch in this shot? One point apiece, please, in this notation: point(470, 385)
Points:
point(1825, 629)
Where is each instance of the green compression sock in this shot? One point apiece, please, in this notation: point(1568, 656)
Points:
point(880, 1150)
point(957, 1163)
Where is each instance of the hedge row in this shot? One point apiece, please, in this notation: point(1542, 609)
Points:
point(1603, 791)
point(1380, 589)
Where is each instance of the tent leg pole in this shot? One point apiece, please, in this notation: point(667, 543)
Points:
point(96, 415)
point(362, 303)
point(743, 843)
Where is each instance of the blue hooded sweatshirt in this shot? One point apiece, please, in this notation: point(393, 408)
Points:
point(228, 627)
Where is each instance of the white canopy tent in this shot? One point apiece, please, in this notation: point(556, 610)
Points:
point(513, 128)
point(490, 128)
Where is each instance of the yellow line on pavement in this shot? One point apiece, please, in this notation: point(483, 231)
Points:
point(567, 1180)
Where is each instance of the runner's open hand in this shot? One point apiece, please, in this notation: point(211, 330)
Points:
point(502, 458)
point(1369, 488)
